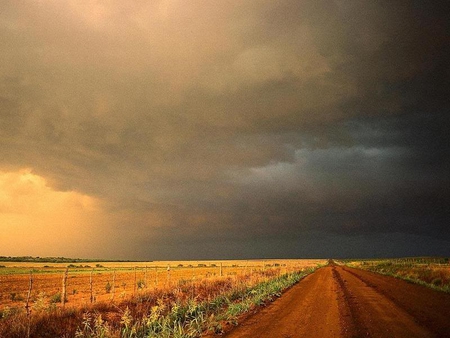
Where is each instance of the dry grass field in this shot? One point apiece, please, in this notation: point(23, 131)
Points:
point(209, 298)
point(128, 299)
point(117, 281)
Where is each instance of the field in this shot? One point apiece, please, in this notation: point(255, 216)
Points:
point(257, 298)
point(105, 291)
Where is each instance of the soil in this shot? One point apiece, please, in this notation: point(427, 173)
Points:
point(338, 301)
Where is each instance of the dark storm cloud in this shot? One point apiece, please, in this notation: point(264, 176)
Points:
point(234, 121)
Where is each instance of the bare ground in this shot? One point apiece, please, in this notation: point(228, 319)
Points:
point(338, 301)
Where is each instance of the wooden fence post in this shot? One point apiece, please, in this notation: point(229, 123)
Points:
point(90, 286)
point(27, 305)
point(113, 287)
point(64, 288)
point(134, 288)
point(145, 277)
point(168, 275)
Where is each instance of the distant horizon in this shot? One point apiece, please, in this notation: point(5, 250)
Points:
point(93, 260)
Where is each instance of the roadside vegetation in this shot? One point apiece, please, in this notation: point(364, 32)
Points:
point(187, 308)
point(430, 272)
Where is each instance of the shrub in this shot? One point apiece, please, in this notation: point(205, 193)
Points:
point(16, 297)
point(56, 298)
point(108, 287)
point(140, 284)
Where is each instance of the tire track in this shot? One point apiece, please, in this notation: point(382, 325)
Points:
point(348, 310)
point(308, 309)
point(377, 315)
point(427, 307)
point(344, 302)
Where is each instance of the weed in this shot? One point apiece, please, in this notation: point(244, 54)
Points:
point(6, 312)
point(108, 287)
point(437, 281)
point(56, 298)
point(41, 302)
point(140, 284)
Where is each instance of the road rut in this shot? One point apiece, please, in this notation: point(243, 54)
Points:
point(338, 301)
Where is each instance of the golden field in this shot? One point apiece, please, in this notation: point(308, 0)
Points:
point(118, 281)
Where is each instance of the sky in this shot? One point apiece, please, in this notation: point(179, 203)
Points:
point(172, 129)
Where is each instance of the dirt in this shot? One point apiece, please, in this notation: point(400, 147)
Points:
point(338, 301)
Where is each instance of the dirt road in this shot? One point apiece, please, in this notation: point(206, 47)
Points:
point(338, 301)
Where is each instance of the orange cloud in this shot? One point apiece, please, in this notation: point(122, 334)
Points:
point(37, 220)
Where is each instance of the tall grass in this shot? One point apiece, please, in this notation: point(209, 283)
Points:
point(186, 310)
point(420, 271)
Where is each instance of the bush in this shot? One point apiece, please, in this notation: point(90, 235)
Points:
point(56, 298)
point(15, 297)
point(108, 287)
point(141, 284)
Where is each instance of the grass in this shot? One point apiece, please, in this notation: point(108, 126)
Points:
point(186, 310)
point(430, 272)
point(191, 318)
point(128, 280)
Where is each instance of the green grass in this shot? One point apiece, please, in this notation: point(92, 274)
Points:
point(430, 272)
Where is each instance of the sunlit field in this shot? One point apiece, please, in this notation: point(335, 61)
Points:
point(105, 295)
point(119, 280)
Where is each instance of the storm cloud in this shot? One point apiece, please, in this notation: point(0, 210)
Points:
point(233, 129)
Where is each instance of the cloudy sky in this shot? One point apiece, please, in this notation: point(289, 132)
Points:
point(178, 129)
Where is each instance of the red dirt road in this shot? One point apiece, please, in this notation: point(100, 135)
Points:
point(339, 301)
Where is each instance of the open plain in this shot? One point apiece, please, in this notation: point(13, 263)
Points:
point(118, 281)
point(255, 298)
